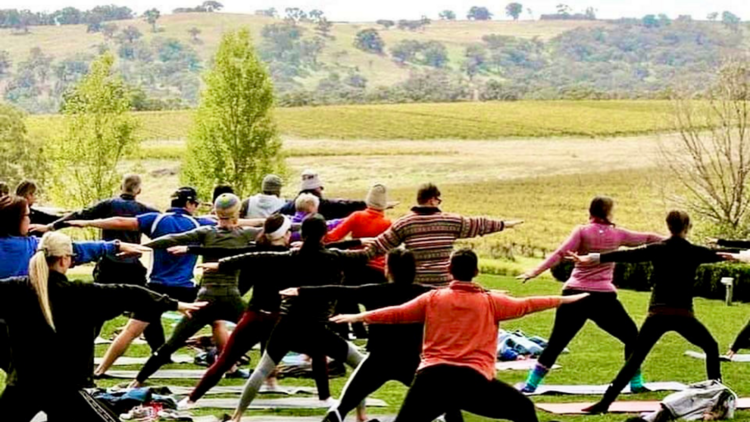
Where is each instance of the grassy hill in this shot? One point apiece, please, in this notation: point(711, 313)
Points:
point(69, 40)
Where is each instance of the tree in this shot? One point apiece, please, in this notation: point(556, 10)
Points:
point(98, 133)
point(478, 13)
point(434, 54)
point(212, 6)
point(514, 10)
point(131, 33)
point(108, 30)
point(475, 58)
point(406, 51)
point(563, 9)
point(369, 40)
point(650, 21)
point(590, 13)
point(316, 15)
point(447, 15)
point(194, 32)
point(22, 156)
point(711, 157)
point(385, 23)
point(151, 16)
point(730, 20)
point(712, 16)
point(234, 138)
point(295, 14)
point(5, 63)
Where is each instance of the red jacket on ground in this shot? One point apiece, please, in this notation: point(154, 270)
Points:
point(461, 323)
point(361, 224)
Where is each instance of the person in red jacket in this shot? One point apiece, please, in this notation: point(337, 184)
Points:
point(460, 346)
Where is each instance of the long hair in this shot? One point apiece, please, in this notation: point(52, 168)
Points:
point(272, 224)
point(51, 248)
point(12, 212)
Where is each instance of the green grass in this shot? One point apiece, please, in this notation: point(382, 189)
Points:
point(595, 357)
point(476, 121)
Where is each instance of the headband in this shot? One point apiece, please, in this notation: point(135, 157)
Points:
point(281, 231)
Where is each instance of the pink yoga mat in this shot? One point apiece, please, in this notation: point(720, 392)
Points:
point(617, 407)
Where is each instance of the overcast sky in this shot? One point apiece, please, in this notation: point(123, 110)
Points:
point(370, 10)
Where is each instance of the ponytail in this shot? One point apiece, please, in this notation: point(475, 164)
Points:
point(39, 277)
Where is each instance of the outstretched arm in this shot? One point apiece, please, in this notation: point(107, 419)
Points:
point(571, 244)
point(480, 226)
point(193, 237)
point(271, 259)
point(507, 307)
point(412, 312)
point(113, 223)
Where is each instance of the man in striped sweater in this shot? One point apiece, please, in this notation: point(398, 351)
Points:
point(430, 234)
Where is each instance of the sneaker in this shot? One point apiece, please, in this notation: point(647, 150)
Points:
point(640, 390)
point(239, 374)
point(527, 389)
point(171, 415)
point(598, 408)
point(330, 402)
point(140, 413)
point(185, 404)
point(332, 416)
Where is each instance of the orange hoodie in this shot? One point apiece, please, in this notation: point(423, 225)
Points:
point(361, 224)
point(461, 323)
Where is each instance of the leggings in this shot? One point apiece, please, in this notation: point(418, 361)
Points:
point(154, 333)
point(441, 388)
point(224, 304)
point(312, 338)
point(375, 371)
point(601, 307)
point(356, 277)
point(22, 404)
point(4, 348)
point(655, 326)
point(743, 339)
point(254, 327)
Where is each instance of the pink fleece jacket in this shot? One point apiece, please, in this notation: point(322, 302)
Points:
point(460, 323)
point(595, 238)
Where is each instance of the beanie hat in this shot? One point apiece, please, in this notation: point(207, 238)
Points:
point(310, 180)
point(227, 206)
point(376, 198)
point(271, 184)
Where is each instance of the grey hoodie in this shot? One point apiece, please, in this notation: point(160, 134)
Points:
point(261, 206)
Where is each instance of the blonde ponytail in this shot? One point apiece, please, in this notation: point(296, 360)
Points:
point(39, 277)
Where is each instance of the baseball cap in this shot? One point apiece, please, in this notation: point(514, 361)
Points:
point(186, 194)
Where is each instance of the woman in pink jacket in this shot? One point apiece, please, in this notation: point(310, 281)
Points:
point(602, 306)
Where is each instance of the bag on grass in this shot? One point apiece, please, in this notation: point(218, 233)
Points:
point(703, 401)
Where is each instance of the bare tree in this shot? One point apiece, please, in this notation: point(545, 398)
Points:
point(711, 157)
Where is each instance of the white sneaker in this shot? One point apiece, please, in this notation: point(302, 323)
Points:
point(185, 404)
point(330, 402)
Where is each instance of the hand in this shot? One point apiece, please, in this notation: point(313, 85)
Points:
point(392, 204)
point(290, 292)
point(574, 298)
point(579, 259)
point(525, 277)
point(347, 319)
point(209, 267)
point(178, 250)
point(729, 256)
point(512, 223)
point(187, 309)
point(77, 223)
point(712, 241)
point(296, 245)
point(40, 228)
point(131, 249)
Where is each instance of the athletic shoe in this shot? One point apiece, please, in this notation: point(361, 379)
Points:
point(330, 402)
point(640, 390)
point(527, 389)
point(140, 413)
point(598, 408)
point(332, 416)
point(239, 374)
point(171, 415)
point(185, 404)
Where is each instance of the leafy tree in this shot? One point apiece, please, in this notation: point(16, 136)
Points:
point(479, 13)
point(730, 20)
point(712, 16)
point(295, 14)
point(151, 16)
point(5, 63)
point(475, 58)
point(406, 51)
point(434, 54)
point(108, 30)
point(650, 21)
point(664, 19)
point(98, 133)
point(514, 10)
point(22, 156)
point(385, 23)
point(447, 15)
point(68, 16)
point(194, 32)
point(590, 13)
point(212, 6)
point(369, 40)
point(234, 138)
point(316, 15)
point(131, 33)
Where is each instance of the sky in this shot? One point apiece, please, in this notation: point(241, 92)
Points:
point(368, 10)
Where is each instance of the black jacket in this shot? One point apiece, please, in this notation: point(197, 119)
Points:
point(64, 357)
point(330, 209)
point(675, 262)
point(308, 266)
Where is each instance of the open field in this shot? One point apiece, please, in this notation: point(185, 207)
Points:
point(471, 121)
point(594, 359)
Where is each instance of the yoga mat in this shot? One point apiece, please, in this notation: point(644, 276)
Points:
point(600, 389)
point(723, 358)
point(617, 407)
point(162, 374)
point(100, 340)
point(271, 404)
point(237, 389)
point(518, 365)
point(126, 360)
point(351, 418)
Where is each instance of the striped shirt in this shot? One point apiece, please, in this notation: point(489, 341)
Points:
point(430, 234)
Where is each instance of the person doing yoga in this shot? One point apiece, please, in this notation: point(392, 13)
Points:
point(675, 262)
point(460, 346)
point(219, 289)
point(393, 349)
point(602, 306)
point(302, 326)
point(51, 323)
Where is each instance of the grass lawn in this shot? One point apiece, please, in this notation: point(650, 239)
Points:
point(594, 359)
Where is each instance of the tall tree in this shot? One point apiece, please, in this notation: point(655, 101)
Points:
point(234, 138)
point(22, 156)
point(99, 132)
point(514, 10)
point(131, 33)
point(212, 6)
point(478, 13)
point(369, 40)
point(447, 15)
point(151, 16)
point(730, 20)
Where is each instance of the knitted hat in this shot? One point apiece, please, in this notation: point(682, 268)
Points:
point(376, 198)
point(271, 184)
point(227, 206)
point(310, 180)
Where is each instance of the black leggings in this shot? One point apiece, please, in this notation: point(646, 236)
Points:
point(655, 326)
point(375, 371)
point(441, 388)
point(602, 308)
point(154, 333)
point(4, 348)
point(224, 304)
point(21, 405)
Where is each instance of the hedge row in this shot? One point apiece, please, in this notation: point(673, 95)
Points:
point(707, 279)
